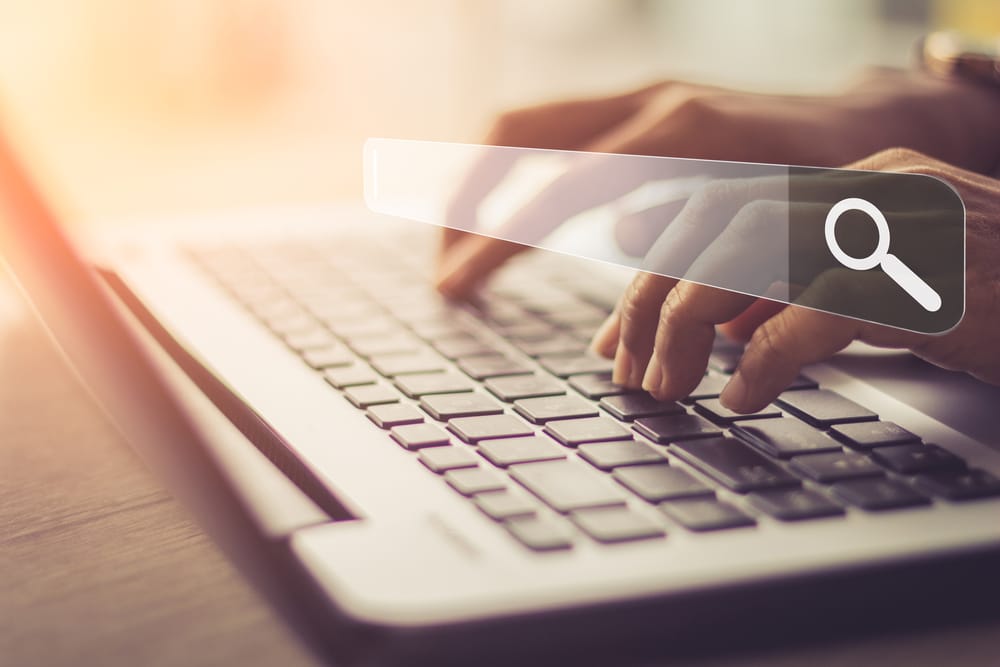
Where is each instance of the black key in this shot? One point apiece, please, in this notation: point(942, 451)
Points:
point(656, 483)
point(471, 481)
point(714, 410)
point(367, 395)
point(785, 437)
point(836, 466)
point(916, 458)
point(865, 435)
point(540, 534)
point(824, 408)
point(565, 367)
point(735, 464)
point(508, 451)
point(704, 514)
point(443, 459)
point(573, 432)
point(672, 428)
point(628, 407)
point(547, 408)
point(368, 346)
point(877, 494)
point(616, 524)
point(795, 504)
point(466, 346)
point(474, 429)
point(709, 387)
point(394, 414)
point(480, 368)
point(516, 387)
point(391, 365)
point(959, 484)
point(449, 406)
point(418, 436)
point(328, 357)
point(567, 485)
point(425, 384)
point(597, 386)
point(501, 505)
point(350, 376)
point(609, 455)
point(558, 344)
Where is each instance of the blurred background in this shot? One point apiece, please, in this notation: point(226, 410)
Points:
point(144, 108)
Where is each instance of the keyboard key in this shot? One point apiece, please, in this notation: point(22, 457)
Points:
point(350, 376)
point(836, 466)
point(443, 459)
point(704, 514)
point(391, 365)
point(566, 366)
point(876, 494)
point(559, 344)
point(609, 455)
point(388, 415)
point(508, 451)
point(672, 428)
point(824, 408)
point(418, 436)
point(438, 330)
point(916, 458)
point(475, 429)
point(466, 346)
point(709, 387)
point(597, 386)
point(310, 339)
point(501, 505)
point(471, 481)
point(480, 368)
point(524, 331)
point(959, 484)
point(656, 483)
point(328, 357)
point(425, 384)
point(573, 432)
point(865, 435)
point(802, 382)
point(714, 410)
point(365, 396)
point(616, 524)
point(794, 504)
point(449, 406)
point(547, 408)
point(566, 485)
point(516, 387)
point(540, 534)
point(368, 346)
point(785, 437)
point(628, 407)
point(735, 464)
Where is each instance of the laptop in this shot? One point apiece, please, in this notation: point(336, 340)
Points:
point(413, 481)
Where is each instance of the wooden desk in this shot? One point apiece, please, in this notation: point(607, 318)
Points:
point(99, 566)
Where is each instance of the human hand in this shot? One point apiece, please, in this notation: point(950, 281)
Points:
point(945, 119)
point(662, 331)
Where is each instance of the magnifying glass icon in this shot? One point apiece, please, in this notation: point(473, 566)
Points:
point(904, 276)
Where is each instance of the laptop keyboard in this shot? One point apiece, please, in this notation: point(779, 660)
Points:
point(503, 402)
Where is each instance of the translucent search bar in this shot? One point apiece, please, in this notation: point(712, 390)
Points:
point(882, 247)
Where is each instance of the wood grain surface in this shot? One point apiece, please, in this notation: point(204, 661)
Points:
point(99, 566)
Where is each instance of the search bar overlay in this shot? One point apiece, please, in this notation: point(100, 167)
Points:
point(882, 247)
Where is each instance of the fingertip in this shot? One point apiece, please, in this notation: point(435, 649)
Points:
point(605, 341)
point(736, 395)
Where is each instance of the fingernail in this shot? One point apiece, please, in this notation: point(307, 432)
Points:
point(624, 361)
point(652, 381)
point(604, 340)
point(735, 394)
